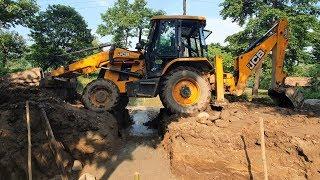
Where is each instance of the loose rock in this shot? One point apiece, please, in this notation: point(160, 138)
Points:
point(77, 165)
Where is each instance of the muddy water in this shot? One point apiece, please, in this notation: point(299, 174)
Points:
point(139, 117)
point(141, 152)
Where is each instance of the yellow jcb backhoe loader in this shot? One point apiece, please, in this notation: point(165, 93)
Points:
point(174, 65)
point(274, 42)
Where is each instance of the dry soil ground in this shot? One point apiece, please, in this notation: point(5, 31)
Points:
point(214, 145)
point(226, 144)
point(85, 135)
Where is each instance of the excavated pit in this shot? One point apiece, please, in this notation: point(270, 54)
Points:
point(87, 136)
point(226, 144)
point(213, 145)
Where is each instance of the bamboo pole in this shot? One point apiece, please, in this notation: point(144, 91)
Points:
point(263, 149)
point(136, 176)
point(55, 146)
point(29, 141)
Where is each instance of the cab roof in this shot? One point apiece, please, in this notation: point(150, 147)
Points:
point(183, 17)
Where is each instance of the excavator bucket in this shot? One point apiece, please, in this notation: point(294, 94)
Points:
point(288, 97)
point(63, 88)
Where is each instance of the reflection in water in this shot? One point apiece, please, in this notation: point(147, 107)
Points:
point(140, 117)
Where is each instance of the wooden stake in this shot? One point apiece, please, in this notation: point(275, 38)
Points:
point(29, 141)
point(136, 176)
point(263, 149)
point(55, 146)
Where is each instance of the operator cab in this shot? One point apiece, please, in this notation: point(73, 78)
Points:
point(173, 37)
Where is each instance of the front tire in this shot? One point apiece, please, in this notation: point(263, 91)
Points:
point(185, 91)
point(101, 95)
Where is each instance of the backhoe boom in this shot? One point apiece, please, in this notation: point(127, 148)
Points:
point(275, 41)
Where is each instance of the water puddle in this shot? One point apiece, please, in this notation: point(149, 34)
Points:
point(140, 117)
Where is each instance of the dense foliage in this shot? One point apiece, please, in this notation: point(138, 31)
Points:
point(54, 31)
point(224, 52)
point(125, 20)
point(16, 12)
point(257, 16)
point(12, 45)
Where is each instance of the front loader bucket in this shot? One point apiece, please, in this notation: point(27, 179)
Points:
point(287, 97)
point(65, 89)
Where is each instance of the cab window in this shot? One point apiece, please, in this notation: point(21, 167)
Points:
point(166, 43)
point(192, 39)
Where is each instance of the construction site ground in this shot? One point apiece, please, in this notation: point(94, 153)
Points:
point(216, 144)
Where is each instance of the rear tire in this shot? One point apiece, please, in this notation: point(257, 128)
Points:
point(101, 95)
point(185, 91)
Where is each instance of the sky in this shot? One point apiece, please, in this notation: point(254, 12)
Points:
point(92, 9)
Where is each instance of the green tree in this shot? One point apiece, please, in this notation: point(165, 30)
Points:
point(315, 36)
point(216, 49)
point(56, 30)
point(124, 20)
point(259, 15)
point(16, 12)
point(12, 46)
point(142, 15)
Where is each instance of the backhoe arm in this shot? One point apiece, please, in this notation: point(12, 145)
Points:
point(94, 62)
point(87, 65)
point(275, 41)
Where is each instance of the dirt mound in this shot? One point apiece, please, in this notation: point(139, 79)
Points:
point(226, 145)
point(85, 135)
point(29, 77)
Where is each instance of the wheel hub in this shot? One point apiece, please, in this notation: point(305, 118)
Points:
point(101, 96)
point(185, 92)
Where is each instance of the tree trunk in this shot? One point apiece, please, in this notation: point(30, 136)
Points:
point(4, 54)
point(255, 89)
point(5, 59)
point(126, 38)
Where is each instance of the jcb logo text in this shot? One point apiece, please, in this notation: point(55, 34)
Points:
point(256, 59)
